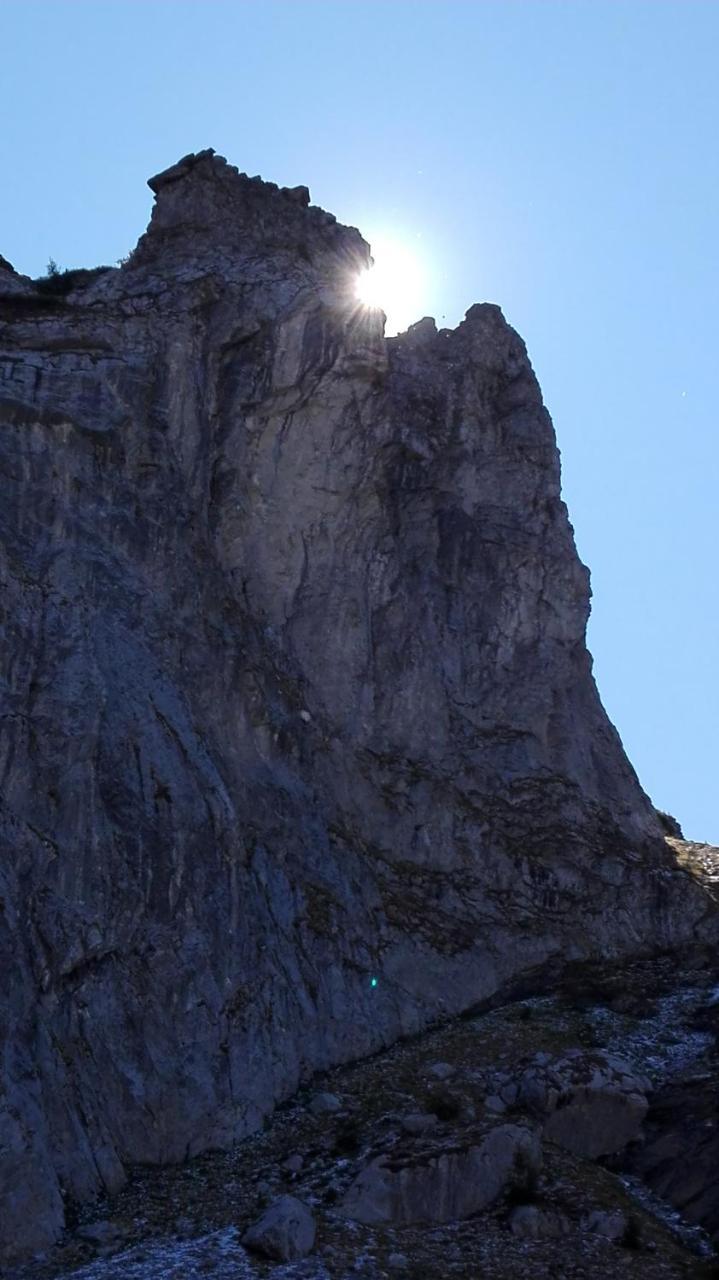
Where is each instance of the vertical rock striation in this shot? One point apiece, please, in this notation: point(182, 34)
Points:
point(299, 743)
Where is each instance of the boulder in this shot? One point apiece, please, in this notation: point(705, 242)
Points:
point(285, 1232)
point(493, 1102)
point(322, 1103)
point(609, 1223)
point(591, 1103)
point(537, 1222)
point(419, 1122)
point(443, 1185)
point(442, 1070)
point(103, 1234)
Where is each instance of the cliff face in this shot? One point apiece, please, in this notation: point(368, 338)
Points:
point(300, 747)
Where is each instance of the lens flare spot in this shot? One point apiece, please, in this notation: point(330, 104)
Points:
point(395, 283)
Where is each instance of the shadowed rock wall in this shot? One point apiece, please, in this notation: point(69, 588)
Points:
point(294, 691)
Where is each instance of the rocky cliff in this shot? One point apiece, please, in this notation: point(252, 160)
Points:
point(300, 748)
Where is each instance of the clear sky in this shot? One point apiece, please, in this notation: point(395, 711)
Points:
point(559, 158)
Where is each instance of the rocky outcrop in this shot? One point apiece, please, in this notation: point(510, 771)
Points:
point(300, 748)
point(12, 283)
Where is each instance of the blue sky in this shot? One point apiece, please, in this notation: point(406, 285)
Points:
point(559, 158)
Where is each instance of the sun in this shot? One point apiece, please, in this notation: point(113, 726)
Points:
point(371, 287)
point(395, 283)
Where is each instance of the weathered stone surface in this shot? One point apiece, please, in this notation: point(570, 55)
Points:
point(538, 1222)
point(443, 1185)
point(398, 1261)
point(441, 1070)
point(322, 1103)
point(285, 1232)
point(610, 1223)
point(593, 1102)
point(103, 1233)
point(419, 1122)
point(300, 747)
point(493, 1102)
point(10, 281)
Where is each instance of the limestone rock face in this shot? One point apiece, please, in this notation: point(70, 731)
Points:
point(299, 743)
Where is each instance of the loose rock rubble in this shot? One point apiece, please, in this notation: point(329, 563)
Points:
point(490, 1195)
